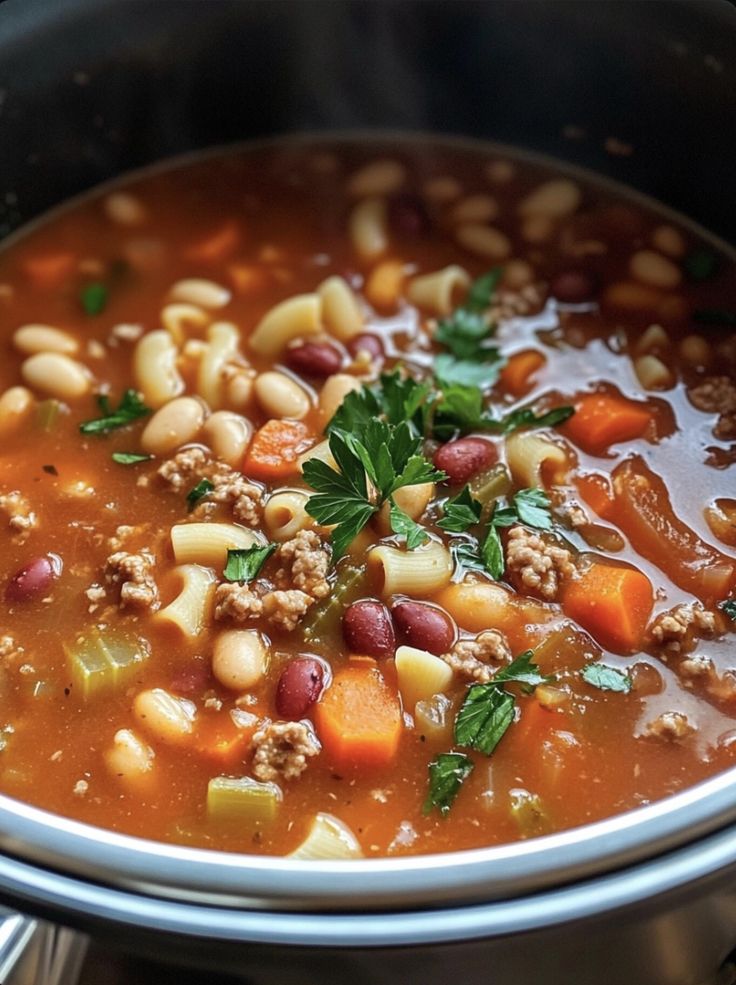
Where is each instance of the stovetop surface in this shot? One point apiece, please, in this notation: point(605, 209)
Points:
point(105, 967)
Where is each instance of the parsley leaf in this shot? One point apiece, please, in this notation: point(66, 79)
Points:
point(403, 524)
point(469, 372)
point(93, 298)
point(491, 552)
point(470, 361)
point(482, 290)
point(466, 557)
point(729, 608)
point(462, 333)
point(484, 717)
point(532, 508)
point(130, 409)
point(526, 418)
point(129, 457)
point(460, 512)
point(447, 774)
point(523, 670)
point(606, 678)
point(399, 398)
point(244, 564)
point(203, 487)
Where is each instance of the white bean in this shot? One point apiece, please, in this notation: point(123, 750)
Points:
point(175, 424)
point(227, 434)
point(474, 208)
point(517, 274)
point(694, 349)
point(557, 198)
point(15, 406)
point(377, 178)
point(500, 172)
point(129, 758)
point(652, 373)
point(57, 375)
point(280, 396)
point(30, 339)
point(537, 229)
point(669, 240)
point(239, 658)
point(334, 391)
point(201, 292)
point(483, 241)
point(239, 388)
point(654, 270)
point(163, 716)
point(125, 209)
point(442, 189)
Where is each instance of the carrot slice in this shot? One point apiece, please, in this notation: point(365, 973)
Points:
point(601, 420)
point(596, 491)
point(222, 742)
point(358, 720)
point(613, 603)
point(49, 270)
point(275, 448)
point(517, 376)
point(217, 245)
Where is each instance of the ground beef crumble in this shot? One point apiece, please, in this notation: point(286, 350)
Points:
point(473, 660)
point(282, 750)
point(305, 562)
point(679, 628)
point(21, 518)
point(187, 467)
point(181, 471)
point(670, 725)
point(133, 573)
point(238, 602)
point(284, 609)
point(717, 395)
point(540, 566)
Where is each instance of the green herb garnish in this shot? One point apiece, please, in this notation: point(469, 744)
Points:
point(729, 608)
point(526, 418)
point(244, 564)
point(484, 717)
point(606, 678)
point(203, 487)
point(700, 264)
point(93, 298)
point(523, 670)
point(403, 525)
point(470, 361)
point(447, 774)
point(131, 408)
point(129, 457)
point(460, 512)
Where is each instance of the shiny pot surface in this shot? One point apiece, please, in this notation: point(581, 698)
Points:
point(92, 88)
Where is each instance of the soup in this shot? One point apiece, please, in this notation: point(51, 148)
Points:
point(365, 499)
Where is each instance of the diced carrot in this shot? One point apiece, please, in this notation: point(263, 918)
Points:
point(49, 270)
point(613, 603)
point(275, 448)
point(248, 278)
point(223, 742)
point(358, 719)
point(217, 245)
point(601, 420)
point(597, 491)
point(517, 375)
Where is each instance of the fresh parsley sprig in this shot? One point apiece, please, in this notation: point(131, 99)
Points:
point(460, 410)
point(470, 360)
point(129, 457)
point(606, 678)
point(131, 408)
point(245, 563)
point(447, 773)
point(460, 513)
point(202, 489)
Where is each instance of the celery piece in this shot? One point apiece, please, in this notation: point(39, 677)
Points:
point(47, 414)
point(323, 618)
point(242, 799)
point(528, 812)
point(104, 663)
point(491, 485)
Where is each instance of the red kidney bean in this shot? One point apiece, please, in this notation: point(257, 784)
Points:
point(423, 626)
point(33, 579)
point(366, 342)
point(191, 680)
point(299, 686)
point(464, 458)
point(367, 628)
point(314, 359)
point(573, 287)
point(408, 216)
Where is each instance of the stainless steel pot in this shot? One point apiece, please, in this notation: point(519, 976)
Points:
point(94, 87)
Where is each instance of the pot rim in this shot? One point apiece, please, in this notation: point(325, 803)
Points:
point(175, 872)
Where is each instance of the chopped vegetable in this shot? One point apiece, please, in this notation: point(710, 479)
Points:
point(202, 489)
point(49, 270)
point(525, 417)
point(131, 408)
point(602, 420)
point(470, 361)
point(323, 619)
point(402, 524)
point(217, 245)
point(358, 719)
point(447, 774)
point(245, 800)
point(460, 512)
point(273, 453)
point(523, 670)
point(729, 608)
point(486, 713)
point(47, 414)
point(516, 376)
point(528, 812)
point(328, 838)
point(420, 675)
point(244, 564)
point(93, 298)
point(129, 457)
point(606, 678)
point(104, 662)
point(613, 603)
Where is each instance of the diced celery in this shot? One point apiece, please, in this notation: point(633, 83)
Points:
point(528, 812)
point(491, 484)
point(104, 663)
point(47, 413)
point(328, 838)
point(242, 799)
point(324, 617)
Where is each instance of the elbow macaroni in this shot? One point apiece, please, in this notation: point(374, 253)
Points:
point(190, 610)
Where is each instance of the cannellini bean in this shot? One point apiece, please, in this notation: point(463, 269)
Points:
point(694, 349)
point(654, 337)
point(652, 373)
point(557, 198)
point(334, 391)
point(280, 396)
point(57, 375)
point(483, 241)
point(227, 434)
point(129, 758)
point(125, 209)
point(377, 178)
point(474, 208)
point(173, 425)
point(163, 716)
point(179, 319)
point(239, 389)
point(368, 228)
point(517, 274)
point(442, 189)
point(670, 241)
point(201, 292)
point(500, 172)
point(239, 658)
point(31, 339)
point(15, 406)
point(654, 270)
point(537, 229)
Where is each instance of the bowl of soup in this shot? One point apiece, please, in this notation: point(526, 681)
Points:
point(370, 560)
